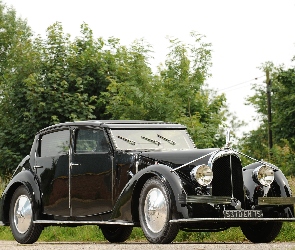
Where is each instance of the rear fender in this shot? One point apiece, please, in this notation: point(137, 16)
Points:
point(27, 179)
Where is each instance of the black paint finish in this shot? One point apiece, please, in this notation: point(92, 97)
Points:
point(84, 177)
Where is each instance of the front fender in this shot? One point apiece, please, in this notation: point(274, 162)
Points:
point(279, 188)
point(126, 207)
point(26, 178)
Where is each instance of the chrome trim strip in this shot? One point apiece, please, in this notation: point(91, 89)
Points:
point(276, 201)
point(113, 182)
point(123, 223)
point(184, 199)
point(194, 220)
point(70, 167)
point(71, 164)
point(136, 163)
point(221, 153)
point(35, 155)
point(71, 146)
point(231, 177)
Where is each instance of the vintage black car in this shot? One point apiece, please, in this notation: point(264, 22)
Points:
point(124, 174)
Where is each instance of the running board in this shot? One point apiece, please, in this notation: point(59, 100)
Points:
point(196, 220)
point(60, 222)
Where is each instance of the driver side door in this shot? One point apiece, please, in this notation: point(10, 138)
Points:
point(91, 173)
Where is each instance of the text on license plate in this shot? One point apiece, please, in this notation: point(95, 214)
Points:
point(242, 214)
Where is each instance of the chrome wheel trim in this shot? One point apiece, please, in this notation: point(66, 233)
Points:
point(22, 214)
point(155, 210)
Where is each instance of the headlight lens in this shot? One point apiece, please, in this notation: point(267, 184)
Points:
point(263, 175)
point(202, 174)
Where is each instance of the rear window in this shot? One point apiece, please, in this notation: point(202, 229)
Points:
point(56, 143)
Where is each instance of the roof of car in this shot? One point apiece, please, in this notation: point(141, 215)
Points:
point(117, 124)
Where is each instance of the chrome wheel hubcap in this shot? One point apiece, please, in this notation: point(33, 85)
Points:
point(155, 210)
point(22, 214)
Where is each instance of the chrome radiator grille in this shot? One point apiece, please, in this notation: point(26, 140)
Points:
point(228, 177)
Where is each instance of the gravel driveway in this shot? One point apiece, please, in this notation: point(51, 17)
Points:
point(12, 245)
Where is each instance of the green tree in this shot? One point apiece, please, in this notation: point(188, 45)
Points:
point(56, 93)
point(59, 79)
point(176, 94)
point(17, 62)
point(283, 104)
point(46, 81)
point(255, 143)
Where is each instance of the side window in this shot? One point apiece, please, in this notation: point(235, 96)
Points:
point(56, 143)
point(91, 141)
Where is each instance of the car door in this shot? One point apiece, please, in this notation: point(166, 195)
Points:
point(91, 173)
point(52, 168)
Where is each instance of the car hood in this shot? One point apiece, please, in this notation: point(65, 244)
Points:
point(179, 157)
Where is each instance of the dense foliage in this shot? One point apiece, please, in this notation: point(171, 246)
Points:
point(175, 94)
point(56, 79)
point(283, 120)
point(17, 61)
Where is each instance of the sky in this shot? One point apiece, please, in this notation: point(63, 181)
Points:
point(244, 33)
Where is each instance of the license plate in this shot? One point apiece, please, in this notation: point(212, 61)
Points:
point(242, 214)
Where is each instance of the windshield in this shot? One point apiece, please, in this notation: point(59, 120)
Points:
point(147, 139)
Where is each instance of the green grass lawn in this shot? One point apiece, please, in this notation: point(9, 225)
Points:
point(93, 233)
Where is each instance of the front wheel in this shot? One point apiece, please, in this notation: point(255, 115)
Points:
point(155, 212)
point(116, 234)
point(21, 213)
point(262, 232)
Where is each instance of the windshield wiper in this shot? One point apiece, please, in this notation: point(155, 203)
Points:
point(126, 140)
point(166, 139)
point(151, 140)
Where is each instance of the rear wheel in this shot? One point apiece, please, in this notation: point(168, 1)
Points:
point(155, 212)
point(21, 213)
point(115, 233)
point(262, 232)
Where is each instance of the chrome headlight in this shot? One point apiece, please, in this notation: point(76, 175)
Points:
point(263, 175)
point(202, 174)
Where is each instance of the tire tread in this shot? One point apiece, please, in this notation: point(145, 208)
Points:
point(121, 234)
point(263, 232)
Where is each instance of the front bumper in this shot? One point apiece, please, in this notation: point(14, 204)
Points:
point(262, 201)
point(223, 200)
point(198, 199)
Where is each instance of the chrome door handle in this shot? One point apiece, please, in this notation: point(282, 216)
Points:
point(38, 166)
point(74, 164)
point(35, 167)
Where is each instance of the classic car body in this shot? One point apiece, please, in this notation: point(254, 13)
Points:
point(124, 174)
